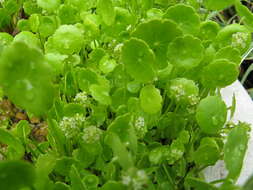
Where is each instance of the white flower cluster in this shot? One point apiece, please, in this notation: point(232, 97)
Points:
point(91, 134)
point(178, 92)
point(137, 181)
point(193, 100)
point(179, 95)
point(239, 40)
point(71, 125)
point(81, 98)
point(140, 127)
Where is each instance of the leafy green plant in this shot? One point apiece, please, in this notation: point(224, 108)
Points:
point(128, 92)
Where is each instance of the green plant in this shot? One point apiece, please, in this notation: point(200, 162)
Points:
point(130, 92)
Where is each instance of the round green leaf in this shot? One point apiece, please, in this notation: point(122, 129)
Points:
point(156, 39)
point(16, 175)
point(185, 16)
point(211, 114)
point(218, 4)
point(150, 99)
point(68, 14)
point(5, 38)
point(209, 30)
point(207, 153)
point(219, 73)
point(230, 53)
point(29, 38)
point(139, 60)
point(47, 26)
point(67, 39)
point(185, 52)
point(91, 181)
point(26, 78)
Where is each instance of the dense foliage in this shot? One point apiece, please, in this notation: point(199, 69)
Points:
point(128, 91)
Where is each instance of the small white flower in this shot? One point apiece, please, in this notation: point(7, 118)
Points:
point(126, 180)
point(71, 125)
point(91, 134)
point(140, 127)
point(136, 181)
point(81, 98)
point(239, 39)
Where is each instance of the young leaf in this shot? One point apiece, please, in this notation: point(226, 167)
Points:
point(150, 99)
point(67, 39)
point(230, 53)
point(219, 73)
point(211, 114)
point(123, 128)
point(209, 30)
point(119, 150)
point(235, 149)
point(185, 16)
point(208, 152)
point(185, 52)
point(139, 60)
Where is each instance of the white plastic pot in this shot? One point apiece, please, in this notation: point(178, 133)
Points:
point(244, 113)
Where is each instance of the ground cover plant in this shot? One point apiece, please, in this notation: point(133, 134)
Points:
point(116, 94)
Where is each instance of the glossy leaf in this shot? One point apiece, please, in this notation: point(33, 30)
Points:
point(235, 149)
point(139, 60)
point(185, 52)
point(67, 39)
point(207, 153)
point(230, 53)
point(156, 38)
point(185, 16)
point(219, 73)
point(150, 99)
point(26, 78)
point(211, 114)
